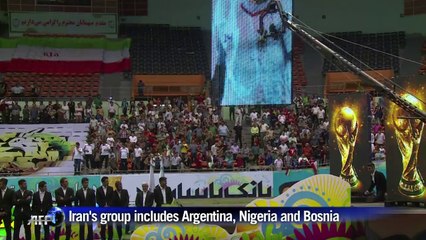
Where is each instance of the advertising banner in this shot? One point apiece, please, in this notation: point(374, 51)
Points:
point(284, 180)
point(26, 145)
point(183, 185)
point(60, 23)
point(206, 185)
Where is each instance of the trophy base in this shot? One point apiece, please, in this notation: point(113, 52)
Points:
point(411, 188)
point(351, 179)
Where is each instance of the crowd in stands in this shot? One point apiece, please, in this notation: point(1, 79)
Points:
point(34, 112)
point(177, 134)
point(378, 137)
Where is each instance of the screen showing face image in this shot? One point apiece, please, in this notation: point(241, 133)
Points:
point(255, 67)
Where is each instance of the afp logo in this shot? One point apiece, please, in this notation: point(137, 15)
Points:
point(55, 217)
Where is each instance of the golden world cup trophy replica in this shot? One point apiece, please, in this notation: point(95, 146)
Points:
point(408, 133)
point(346, 129)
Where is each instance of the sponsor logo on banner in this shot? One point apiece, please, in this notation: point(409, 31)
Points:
point(59, 23)
point(207, 185)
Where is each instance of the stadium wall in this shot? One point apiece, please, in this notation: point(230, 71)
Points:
point(363, 15)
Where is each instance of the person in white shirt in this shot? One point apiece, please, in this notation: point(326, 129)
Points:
point(315, 110)
point(166, 161)
point(215, 118)
point(223, 130)
point(283, 149)
point(253, 116)
point(238, 116)
point(93, 124)
point(66, 110)
point(324, 124)
point(213, 150)
point(380, 138)
point(88, 155)
point(208, 101)
point(124, 125)
point(235, 149)
point(111, 110)
point(104, 156)
point(380, 154)
point(110, 141)
point(17, 90)
point(263, 129)
point(372, 139)
point(281, 118)
point(303, 160)
point(283, 137)
point(141, 126)
point(175, 161)
point(124, 155)
point(321, 114)
point(168, 116)
point(133, 138)
point(292, 139)
point(278, 164)
point(77, 156)
point(138, 157)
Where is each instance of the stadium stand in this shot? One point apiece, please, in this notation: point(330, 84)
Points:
point(162, 49)
point(387, 42)
point(54, 85)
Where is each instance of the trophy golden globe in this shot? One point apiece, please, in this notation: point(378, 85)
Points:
point(346, 129)
point(408, 133)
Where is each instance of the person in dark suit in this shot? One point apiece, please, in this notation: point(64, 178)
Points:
point(22, 213)
point(85, 197)
point(104, 199)
point(64, 198)
point(120, 198)
point(144, 198)
point(378, 181)
point(42, 203)
point(6, 202)
point(163, 193)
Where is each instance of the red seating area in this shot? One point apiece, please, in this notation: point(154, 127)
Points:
point(423, 68)
point(299, 77)
point(55, 85)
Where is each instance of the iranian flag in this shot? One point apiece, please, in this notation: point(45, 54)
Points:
point(64, 55)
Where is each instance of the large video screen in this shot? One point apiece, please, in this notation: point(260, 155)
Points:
point(406, 146)
point(349, 149)
point(253, 67)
